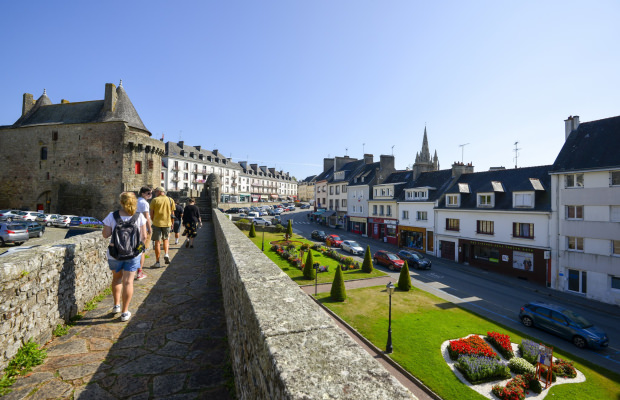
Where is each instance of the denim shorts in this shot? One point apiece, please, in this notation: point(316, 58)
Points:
point(130, 265)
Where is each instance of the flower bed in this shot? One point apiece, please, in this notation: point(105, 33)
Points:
point(517, 388)
point(501, 343)
point(529, 350)
point(472, 345)
point(480, 369)
point(521, 366)
point(347, 263)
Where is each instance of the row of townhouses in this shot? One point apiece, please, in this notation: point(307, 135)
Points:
point(557, 225)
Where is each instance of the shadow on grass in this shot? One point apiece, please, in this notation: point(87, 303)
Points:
point(448, 306)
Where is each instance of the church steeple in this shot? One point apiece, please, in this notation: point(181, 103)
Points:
point(423, 160)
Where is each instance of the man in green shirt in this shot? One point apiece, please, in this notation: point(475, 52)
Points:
point(161, 210)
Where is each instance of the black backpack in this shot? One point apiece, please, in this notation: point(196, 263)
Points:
point(125, 243)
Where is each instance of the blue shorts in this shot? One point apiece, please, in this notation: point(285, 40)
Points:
point(130, 265)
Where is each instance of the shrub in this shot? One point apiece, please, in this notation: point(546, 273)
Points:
point(521, 366)
point(501, 343)
point(479, 369)
point(472, 345)
point(404, 279)
point(289, 230)
point(338, 292)
point(309, 272)
point(252, 231)
point(529, 351)
point(367, 265)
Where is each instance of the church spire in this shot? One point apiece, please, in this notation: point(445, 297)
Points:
point(423, 160)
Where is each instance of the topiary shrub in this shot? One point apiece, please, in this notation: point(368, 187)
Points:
point(289, 230)
point(338, 291)
point(309, 272)
point(404, 279)
point(367, 265)
point(252, 231)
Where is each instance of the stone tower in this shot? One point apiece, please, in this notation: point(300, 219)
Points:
point(423, 160)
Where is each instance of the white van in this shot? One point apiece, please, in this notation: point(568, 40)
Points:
point(253, 214)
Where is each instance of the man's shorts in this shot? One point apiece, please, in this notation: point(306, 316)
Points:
point(176, 226)
point(160, 233)
point(130, 265)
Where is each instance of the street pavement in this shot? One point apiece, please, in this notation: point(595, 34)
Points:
point(173, 347)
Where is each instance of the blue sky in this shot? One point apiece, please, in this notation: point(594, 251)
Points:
point(288, 83)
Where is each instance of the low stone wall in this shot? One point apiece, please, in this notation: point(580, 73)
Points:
point(46, 286)
point(283, 345)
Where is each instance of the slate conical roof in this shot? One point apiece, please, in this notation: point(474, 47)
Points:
point(124, 110)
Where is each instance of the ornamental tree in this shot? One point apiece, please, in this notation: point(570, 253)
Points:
point(367, 265)
point(404, 279)
point(309, 272)
point(289, 230)
point(252, 230)
point(338, 291)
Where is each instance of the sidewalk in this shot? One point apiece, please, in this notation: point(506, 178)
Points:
point(173, 347)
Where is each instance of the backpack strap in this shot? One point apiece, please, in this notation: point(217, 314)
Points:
point(117, 217)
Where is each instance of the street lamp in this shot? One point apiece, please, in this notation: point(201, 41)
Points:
point(263, 245)
point(390, 289)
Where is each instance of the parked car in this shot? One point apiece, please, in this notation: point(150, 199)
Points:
point(278, 211)
point(352, 247)
point(8, 215)
point(11, 232)
point(290, 208)
point(333, 240)
point(47, 219)
point(78, 221)
point(63, 221)
point(26, 216)
point(565, 323)
point(318, 235)
point(415, 260)
point(305, 206)
point(233, 210)
point(261, 221)
point(35, 229)
point(390, 260)
point(276, 220)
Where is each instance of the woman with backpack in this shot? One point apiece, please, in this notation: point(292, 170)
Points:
point(191, 222)
point(127, 230)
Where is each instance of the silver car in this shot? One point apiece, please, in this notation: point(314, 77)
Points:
point(8, 215)
point(11, 232)
point(352, 247)
point(63, 221)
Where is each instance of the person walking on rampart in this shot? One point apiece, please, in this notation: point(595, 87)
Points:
point(143, 207)
point(191, 222)
point(162, 208)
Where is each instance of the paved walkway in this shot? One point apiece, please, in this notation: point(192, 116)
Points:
point(174, 346)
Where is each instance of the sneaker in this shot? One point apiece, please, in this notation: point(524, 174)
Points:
point(167, 258)
point(116, 309)
point(125, 316)
point(156, 265)
point(176, 241)
point(141, 275)
point(191, 247)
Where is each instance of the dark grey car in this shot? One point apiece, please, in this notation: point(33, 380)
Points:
point(415, 260)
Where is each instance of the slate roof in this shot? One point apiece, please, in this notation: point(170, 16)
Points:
point(349, 169)
point(46, 113)
point(368, 171)
point(593, 145)
point(512, 180)
point(325, 175)
point(440, 181)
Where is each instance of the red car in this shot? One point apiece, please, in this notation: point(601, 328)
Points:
point(390, 260)
point(333, 240)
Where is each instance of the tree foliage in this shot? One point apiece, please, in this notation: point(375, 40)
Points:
point(404, 279)
point(338, 292)
point(252, 230)
point(309, 271)
point(289, 230)
point(367, 265)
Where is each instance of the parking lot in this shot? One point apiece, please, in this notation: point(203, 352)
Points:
point(51, 235)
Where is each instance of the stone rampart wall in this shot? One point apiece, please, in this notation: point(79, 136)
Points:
point(283, 345)
point(46, 286)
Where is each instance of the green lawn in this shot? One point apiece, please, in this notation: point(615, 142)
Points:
point(422, 322)
point(295, 273)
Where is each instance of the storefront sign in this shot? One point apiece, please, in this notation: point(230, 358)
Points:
point(521, 260)
point(496, 245)
point(357, 219)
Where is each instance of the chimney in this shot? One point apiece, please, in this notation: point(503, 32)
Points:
point(215, 152)
point(368, 159)
point(570, 124)
point(327, 163)
point(64, 101)
point(181, 143)
point(458, 169)
point(386, 167)
point(109, 100)
point(27, 103)
point(197, 148)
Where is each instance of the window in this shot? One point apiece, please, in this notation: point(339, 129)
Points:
point(574, 212)
point(374, 210)
point(162, 176)
point(337, 189)
point(186, 176)
point(523, 200)
point(381, 209)
point(331, 204)
point(615, 247)
point(575, 243)
point(422, 216)
point(405, 214)
point(43, 153)
point(55, 135)
point(452, 200)
point(485, 227)
point(344, 202)
point(615, 282)
point(614, 178)
point(331, 190)
point(389, 211)
point(186, 166)
point(138, 167)
point(452, 224)
point(577, 281)
point(485, 200)
point(574, 181)
point(523, 230)
point(344, 188)
point(382, 192)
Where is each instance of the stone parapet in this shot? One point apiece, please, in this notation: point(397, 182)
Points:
point(282, 344)
point(46, 286)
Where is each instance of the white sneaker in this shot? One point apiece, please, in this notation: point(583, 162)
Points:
point(167, 258)
point(176, 241)
point(116, 309)
point(125, 316)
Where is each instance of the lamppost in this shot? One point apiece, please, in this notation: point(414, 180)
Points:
point(390, 289)
point(316, 277)
point(263, 245)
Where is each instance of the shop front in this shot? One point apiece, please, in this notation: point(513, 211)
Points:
point(357, 225)
point(412, 237)
point(518, 261)
point(383, 229)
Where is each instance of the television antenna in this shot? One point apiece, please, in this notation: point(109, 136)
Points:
point(393, 149)
point(516, 150)
point(363, 148)
point(346, 151)
point(462, 146)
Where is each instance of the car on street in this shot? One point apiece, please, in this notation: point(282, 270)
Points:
point(276, 220)
point(388, 259)
point(352, 247)
point(278, 211)
point(261, 221)
point(63, 221)
point(12, 232)
point(47, 219)
point(318, 235)
point(233, 210)
point(79, 221)
point(333, 240)
point(305, 206)
point(35, 229)
point(290, 208)
point(26, 216)
point(8, 215)
point(565, 323)
point(415, 260)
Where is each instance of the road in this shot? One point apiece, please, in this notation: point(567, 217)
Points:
point(493, 296)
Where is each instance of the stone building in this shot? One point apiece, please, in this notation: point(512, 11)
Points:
point(76, 158)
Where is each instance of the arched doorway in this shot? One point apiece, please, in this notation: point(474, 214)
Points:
point(44, 202)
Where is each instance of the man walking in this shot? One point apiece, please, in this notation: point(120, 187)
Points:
point(143, 208)
point(178, 218)
point(161, 211)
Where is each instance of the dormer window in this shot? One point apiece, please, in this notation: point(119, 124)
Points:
point(523, 200)
point(453, 200)
point(486, 200)
point(183, 153)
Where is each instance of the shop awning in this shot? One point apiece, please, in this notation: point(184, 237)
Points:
point(318, 212)
point(330, 214)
